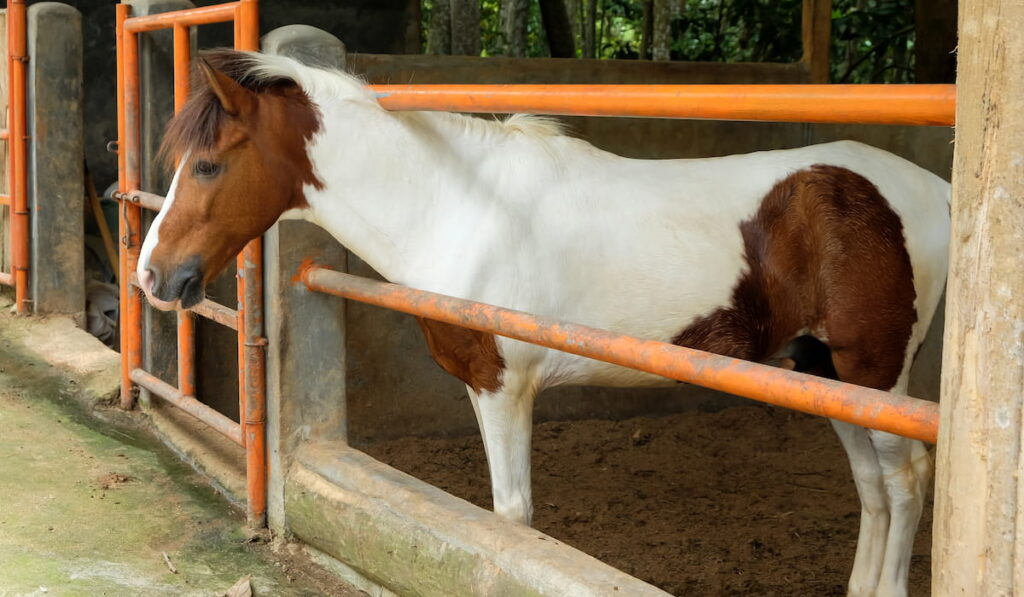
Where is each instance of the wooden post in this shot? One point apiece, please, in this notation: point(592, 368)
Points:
point(816, 35)
point(978, 544)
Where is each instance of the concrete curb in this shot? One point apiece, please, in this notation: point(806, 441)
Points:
point(76, 354)
point(417, 540)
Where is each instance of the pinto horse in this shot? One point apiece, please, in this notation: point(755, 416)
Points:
point(840, 247)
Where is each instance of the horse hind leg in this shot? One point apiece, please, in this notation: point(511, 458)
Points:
point(891, 473)
point(907, 469)
point(809, 355)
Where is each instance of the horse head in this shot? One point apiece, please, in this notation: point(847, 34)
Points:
point(238, 150)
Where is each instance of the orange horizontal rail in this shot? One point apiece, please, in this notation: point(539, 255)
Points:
point(853, 104)
point(6, 279)
point(150, 201)
point(190, 17)
point(4, 134)
point(226, 316)
point(5, 199)
point(190, 405)
point(902, 415)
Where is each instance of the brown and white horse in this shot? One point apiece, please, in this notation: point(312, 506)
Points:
point(839, 246)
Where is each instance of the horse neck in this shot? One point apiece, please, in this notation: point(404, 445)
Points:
point(397, 189)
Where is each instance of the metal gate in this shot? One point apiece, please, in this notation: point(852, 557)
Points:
point(247, 320)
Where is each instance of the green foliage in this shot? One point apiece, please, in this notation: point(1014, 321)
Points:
point(738, 31)
point(872, 40)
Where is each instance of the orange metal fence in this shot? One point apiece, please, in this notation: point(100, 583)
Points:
point(248, 319)
point(877, 104)
point(16, 135)
point(902, 415)
point(864, 104)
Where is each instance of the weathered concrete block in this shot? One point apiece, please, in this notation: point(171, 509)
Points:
point(306, 44)
point(417, 540)
point(55, 187)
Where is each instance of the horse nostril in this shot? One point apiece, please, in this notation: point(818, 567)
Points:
point(148, 280)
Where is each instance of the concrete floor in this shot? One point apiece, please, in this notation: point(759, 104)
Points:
point(89, 509)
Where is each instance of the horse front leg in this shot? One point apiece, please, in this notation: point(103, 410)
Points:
point(506, 426)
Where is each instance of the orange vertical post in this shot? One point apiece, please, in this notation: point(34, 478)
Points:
point(17, 49)
point(250, 265)
point(186, 321)
point(131, 217)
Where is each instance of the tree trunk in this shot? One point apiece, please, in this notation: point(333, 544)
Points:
point(647, 30)
point(661, 47)
point(439, 38)
point(556, 25)
point(589, 29)
point(575, 10)
point(935, 41)
point(465, 29)
point(513, 26)
point(978, 546)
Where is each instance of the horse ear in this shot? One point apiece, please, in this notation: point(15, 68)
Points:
point(232, 96)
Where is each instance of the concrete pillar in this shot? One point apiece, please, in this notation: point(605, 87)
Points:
point(978, 543)
point(156, 68)
point(306, 372)
point(55, 179)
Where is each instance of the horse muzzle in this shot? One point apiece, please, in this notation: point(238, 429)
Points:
point(183, 287)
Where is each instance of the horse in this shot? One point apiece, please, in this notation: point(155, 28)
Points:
point(839, 247)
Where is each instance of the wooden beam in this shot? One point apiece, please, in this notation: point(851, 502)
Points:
point(978, 544)
point(817, 35)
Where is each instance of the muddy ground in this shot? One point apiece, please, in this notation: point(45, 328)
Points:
point(753, 500)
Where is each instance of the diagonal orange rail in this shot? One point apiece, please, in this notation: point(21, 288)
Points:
point(902, 415)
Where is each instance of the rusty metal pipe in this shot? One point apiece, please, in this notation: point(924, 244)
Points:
point(190, 17)
point(211, 310)
point(17, 60)
point(130, 220)
point(189, 404)
point(902, 415)
point(858, 104)
point(251, 339)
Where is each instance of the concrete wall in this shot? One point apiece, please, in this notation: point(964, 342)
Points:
point(56, 193)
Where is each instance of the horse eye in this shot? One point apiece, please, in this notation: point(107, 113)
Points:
point(204, 168)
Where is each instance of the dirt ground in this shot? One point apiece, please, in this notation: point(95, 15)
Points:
point(752, 500)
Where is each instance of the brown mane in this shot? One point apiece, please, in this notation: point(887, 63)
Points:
point(197, 125)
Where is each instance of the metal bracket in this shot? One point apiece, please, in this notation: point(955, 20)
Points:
point(126, 240)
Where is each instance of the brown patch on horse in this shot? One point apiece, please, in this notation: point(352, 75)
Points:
point(469, 355)
point(252, 131)
point(824, 252)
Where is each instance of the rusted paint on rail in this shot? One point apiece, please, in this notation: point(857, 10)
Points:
point(853, 104)
point(189, 404)
point(902, 415)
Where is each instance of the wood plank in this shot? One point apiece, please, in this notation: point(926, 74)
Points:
point(978, 542)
